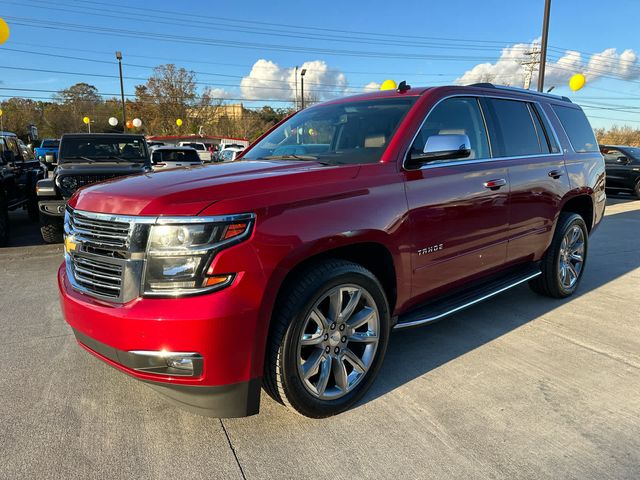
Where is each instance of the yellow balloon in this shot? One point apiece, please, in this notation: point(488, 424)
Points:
point(86, 120)
point(577, 81)
point(388, 85)
point(1, 112)
point(179, 122)
point(4, 31)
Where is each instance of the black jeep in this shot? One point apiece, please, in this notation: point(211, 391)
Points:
point(19, 173)
point(84, 159)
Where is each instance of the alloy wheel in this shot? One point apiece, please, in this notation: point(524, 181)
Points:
point(571, 257)
point(338, 342)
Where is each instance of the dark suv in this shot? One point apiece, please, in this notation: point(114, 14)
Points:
point(84, 159)
point(19, 173)
point(290, 268)
point(623, 168)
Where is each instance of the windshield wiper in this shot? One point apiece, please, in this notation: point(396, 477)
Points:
point(79, 157)
point(291, 156)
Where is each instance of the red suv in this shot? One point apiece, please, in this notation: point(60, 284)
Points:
point(289, 269)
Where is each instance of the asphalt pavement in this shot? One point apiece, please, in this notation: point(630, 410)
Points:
point(518, 387)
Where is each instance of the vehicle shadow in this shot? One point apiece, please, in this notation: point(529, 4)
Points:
point(415, 352)
point(614, 199)
point(24, 232)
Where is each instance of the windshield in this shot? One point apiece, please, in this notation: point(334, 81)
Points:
point(107, 148)
point(175, 156)
point(354, 132)
point(633, 153)
point(50, 144)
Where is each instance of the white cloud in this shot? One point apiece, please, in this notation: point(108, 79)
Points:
point(218, 93)
point(267, 80)
point(508, 69)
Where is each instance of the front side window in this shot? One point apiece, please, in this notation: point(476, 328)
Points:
point(343, 133)
point(516, 129)
point(611, 155)
point(457, 115)
point(577, 127)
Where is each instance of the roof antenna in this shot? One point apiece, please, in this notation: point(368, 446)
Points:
point(403, 87)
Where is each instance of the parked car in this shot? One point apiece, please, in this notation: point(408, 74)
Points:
point(352, 218)
point(48, 150)
point(19, 174)
point(230, 154)
point(623, 168)
point(84, 159)
point(203, 152)
point(174, 157)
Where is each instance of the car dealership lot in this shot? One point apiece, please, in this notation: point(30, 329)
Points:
point(521, 386)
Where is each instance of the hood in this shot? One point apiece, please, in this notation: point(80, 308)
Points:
point(188, 191)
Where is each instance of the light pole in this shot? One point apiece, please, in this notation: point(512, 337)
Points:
point(296, 79)
point(302, 72)
point(124, 113)
point(543, 50)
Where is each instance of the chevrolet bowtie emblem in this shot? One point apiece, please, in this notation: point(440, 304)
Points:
point(69, 244)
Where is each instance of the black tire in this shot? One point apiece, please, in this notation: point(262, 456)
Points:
point(636, 189)
point(549, 283)
point(51, 233)
point(4, 224)
point(282, 378)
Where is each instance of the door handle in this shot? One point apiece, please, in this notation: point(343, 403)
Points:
point(495, 184)
point(555, 174)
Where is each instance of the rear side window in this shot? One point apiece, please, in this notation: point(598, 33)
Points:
point(577, 127)
point(516, 129)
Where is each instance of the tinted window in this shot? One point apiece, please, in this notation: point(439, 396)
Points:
point(551, 139)
point(458, 115)
point(578, 129)
point(175, 156)
point(515, 128)
point(50, 144)
point(352, 132)
point(611, 154)
point(107, 148)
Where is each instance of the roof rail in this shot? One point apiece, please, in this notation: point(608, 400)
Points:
point(521, 90)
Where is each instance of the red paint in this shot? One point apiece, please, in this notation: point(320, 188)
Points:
point(304, 209)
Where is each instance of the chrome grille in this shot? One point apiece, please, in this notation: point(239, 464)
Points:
point(101, 234)
point(101, 278)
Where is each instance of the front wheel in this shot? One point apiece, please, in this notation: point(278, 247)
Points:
point(328, 339)
point(563, 263)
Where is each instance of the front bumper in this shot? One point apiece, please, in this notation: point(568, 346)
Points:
point(221, 327)
point(52, 208)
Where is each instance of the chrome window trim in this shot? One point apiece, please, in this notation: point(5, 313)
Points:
point(480, 160)
point(159, 220)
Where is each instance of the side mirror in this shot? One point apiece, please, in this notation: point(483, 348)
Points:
point(622, 160)
point(442, 147)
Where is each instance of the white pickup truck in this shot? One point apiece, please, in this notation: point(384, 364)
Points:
point(203, 152)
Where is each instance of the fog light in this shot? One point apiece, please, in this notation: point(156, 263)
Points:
point(180, 363)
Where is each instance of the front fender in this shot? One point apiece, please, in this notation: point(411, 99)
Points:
point(46, 188)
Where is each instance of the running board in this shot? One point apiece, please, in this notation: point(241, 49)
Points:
point(440, 308)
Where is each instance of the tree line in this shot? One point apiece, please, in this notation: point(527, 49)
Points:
point(169, 94)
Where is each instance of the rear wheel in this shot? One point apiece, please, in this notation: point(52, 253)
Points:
point(563, 263)
point(328, 339)
point(636, 189)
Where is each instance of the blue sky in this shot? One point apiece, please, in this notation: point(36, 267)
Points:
point(228, 38)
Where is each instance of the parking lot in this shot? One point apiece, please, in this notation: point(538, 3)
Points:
point(518, 387)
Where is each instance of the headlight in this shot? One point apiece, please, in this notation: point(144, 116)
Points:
point(179, 255)
point(69, 183)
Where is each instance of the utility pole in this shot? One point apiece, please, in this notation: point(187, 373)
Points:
point(530, 66)
point(124, 113)
point(296, 78)
point(302, 72)
point(543, 53)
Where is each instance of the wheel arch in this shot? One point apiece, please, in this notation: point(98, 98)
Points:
point(582, 204)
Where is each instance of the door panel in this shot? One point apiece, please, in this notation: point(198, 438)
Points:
point(460, 228)
point(535, 202)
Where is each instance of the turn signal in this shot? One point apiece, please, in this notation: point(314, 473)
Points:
point(234, 230)
point(216, 280)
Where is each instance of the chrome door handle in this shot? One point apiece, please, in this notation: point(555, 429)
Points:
point(555, 173)
point(495, 184)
